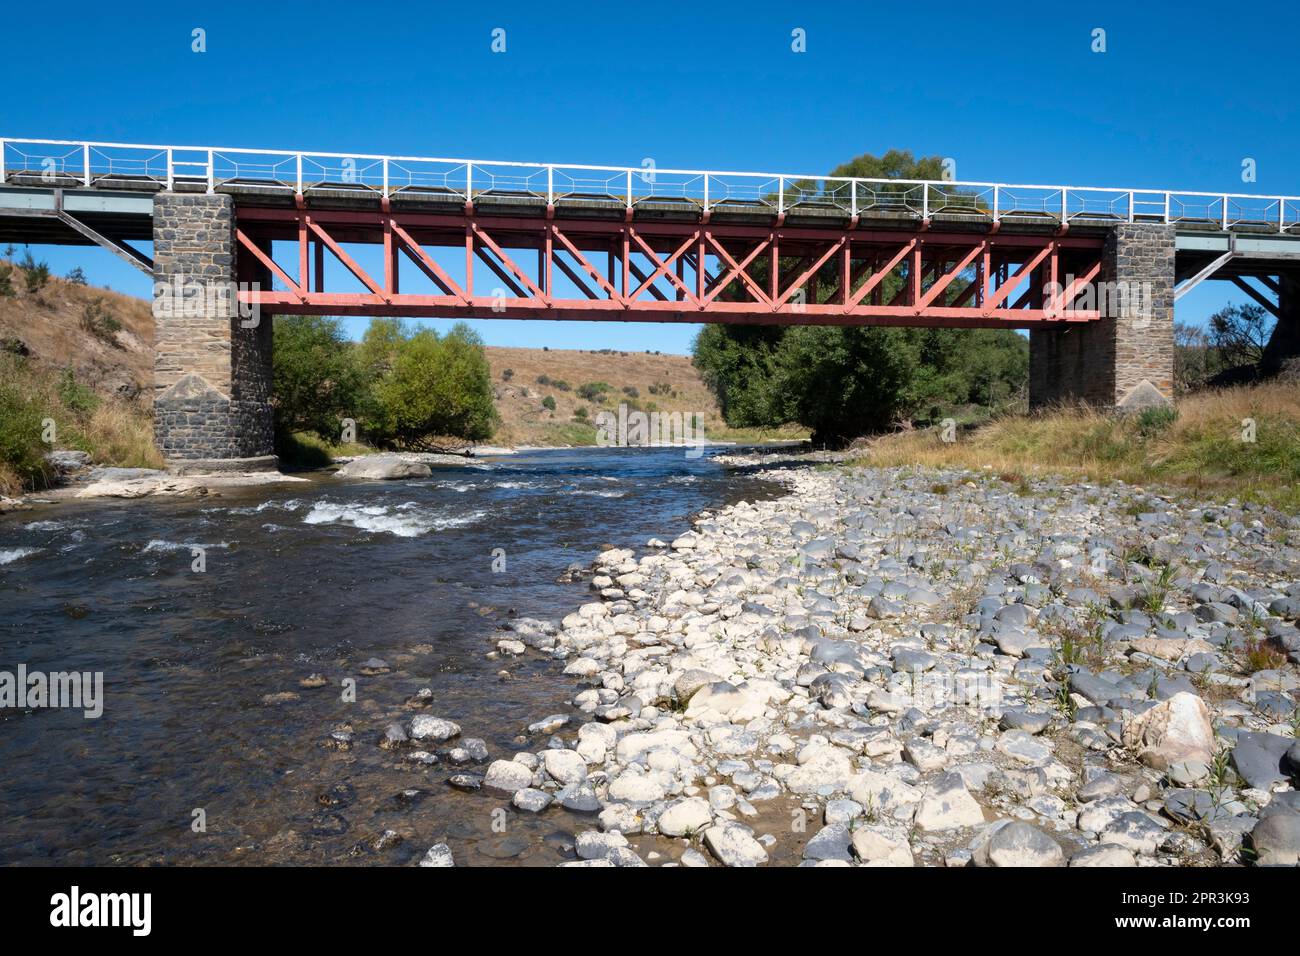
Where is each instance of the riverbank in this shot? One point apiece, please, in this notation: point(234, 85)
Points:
point(932, 668)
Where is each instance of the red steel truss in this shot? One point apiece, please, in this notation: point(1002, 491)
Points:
point(663, 271)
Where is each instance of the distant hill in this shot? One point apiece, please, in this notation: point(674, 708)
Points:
point(522, 379)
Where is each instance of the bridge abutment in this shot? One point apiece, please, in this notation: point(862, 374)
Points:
point(1126, 359)
point(212, 370)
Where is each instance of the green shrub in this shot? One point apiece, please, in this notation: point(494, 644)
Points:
point(35, 274)
point(548, 403)
point(22, 450)
point(317, 381)
point(6, 280)
point(593, 391)
point(77, 398)
point(99, 321)
point(1152, 421)
point(439, 386)
point(77, 276)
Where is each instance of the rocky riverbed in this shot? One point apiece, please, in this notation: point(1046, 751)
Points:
point(897, 668)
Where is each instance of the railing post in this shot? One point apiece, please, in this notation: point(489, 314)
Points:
point(1167, 209)
point(469, 182)
point(780, 195)
point(2, 162)
point(853, 199)
point(1281, 201)
point(212, 173)
point(550, 185)
point(85, 164)
point(1065, 205)
point(629, 188)
point(706, 192)
point(385, 163)
point(997, 200)
point(171, 170)
point(298, 173)
point(1130, 207)
point(925, 200)
point(1225, 213)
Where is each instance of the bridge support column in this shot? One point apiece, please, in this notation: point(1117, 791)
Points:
point(1283, 351)
point(1126, 360)
point(212, 372)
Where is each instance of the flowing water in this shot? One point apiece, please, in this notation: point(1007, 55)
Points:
point(204, 719)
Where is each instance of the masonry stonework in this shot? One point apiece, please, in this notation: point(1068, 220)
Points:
point(1126, 359)
point(212, 373)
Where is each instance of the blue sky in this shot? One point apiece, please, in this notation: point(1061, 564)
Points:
point(1177, 101)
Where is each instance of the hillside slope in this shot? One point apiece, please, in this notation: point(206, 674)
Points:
point(49, 325)
point(522, 379)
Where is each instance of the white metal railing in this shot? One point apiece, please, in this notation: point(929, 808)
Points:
point(104, 164)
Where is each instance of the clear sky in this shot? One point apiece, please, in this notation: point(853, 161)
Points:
point(1012, 92)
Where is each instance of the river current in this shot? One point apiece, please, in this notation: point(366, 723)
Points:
point(209, 750)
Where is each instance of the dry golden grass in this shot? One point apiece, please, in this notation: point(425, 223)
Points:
point(48, 323)
point(1204, 447)
point(525, 421)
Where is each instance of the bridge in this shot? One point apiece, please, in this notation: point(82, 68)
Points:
point(1091, 272)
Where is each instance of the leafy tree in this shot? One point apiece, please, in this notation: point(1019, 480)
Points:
point(317, 379)
point(1240, 333)
point(437, 386)
point(77, 276)
point(844, 382)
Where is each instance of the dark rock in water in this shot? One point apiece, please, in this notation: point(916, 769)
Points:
point(503, 848)
point(329, 824)
point(386, 841)
point(374, 666)
point(1293, 760)
point(339, 795)
point(1258, 758)
point(466, 781)
point(410, 797)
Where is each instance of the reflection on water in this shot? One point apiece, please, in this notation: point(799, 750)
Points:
point(204, 708)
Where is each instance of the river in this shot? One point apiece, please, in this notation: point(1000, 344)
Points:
point(209, 751)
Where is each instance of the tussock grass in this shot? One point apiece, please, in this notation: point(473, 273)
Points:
point(113, 430)
point(1201, 447)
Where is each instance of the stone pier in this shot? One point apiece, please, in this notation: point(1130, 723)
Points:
point(212, 373)
point(1126, 360)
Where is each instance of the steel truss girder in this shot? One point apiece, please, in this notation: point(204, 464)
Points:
point(960, 279)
